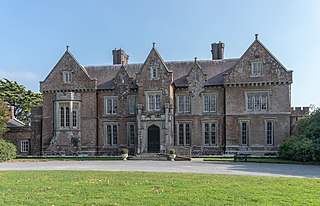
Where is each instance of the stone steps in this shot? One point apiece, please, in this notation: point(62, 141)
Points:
point(150, 156)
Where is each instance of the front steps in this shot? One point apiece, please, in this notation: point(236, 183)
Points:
point(157, 157)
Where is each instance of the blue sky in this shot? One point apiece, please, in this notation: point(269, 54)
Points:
point(34, 34)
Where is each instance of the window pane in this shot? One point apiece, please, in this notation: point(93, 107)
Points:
point(264, 102)
point(132, 105)
point(212, 103)
point(187, 104)
point(62, 117)
point(180, 104)
point(250, 102)
point(257, 102)
point(74, 118)
point(181, 134)
point(206, 134)
point(108, 134)
point(109, 106)
point(67, 117)
point(115, 106)
point(213, 133)
point(157, 102)
point(244, 133)
point(115, 135)
point(151, 102)
point(206, 103)
point(131, 134)
point(270, 133)
point(187, 134)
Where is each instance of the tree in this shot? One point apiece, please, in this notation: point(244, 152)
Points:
point(4, 117)
point(14, 94)
point(305, 146)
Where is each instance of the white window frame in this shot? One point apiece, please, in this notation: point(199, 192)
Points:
point(131, 142)
point(269, 132)
point(67, 77)
point(68, 120)
point(154, 72)
point(211, 132)
point(209, 103)
point(153, 101)
point(24, 145)
point(132, 104)
point(184, 135)
point(111, 137)
point(257, 101)
point(111, 105)
point(184, 104)
point(257, 68)
point(247, 132)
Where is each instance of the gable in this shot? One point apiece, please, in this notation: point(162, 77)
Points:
point(272, 71)
point(77, 76)
point(154, 71)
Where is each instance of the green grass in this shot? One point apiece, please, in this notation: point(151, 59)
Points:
point(260, 160)
point(136, 188)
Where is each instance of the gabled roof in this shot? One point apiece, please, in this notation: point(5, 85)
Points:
point(212, 68)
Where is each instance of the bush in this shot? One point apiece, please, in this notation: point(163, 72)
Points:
point(124, 151)
point(8, 151)
point(172, 151)
point(300, 148)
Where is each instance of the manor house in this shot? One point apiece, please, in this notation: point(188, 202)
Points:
point(208, 107)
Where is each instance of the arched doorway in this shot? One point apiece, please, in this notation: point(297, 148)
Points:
point(154, 139)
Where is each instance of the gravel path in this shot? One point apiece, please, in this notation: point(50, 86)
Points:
point(232, 168)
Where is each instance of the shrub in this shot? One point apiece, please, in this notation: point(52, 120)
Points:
point(172, 151)
point(300, 148)
point(124, 151)
point(8, 151)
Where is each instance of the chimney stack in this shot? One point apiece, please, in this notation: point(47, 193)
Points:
point(217, 50)
point(12, 112)
point(120, 56)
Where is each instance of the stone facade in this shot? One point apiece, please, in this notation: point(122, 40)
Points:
point(205, 107)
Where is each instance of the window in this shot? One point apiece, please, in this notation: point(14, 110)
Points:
point(154, 102)
point(24, 146)
point(244, 128)
point(131, 134)
point(111, 104)
point(210, 133)
point(67, 77)
point(184, 134)
point(69, 115)
point(154, 72)
point(132, 104)
point(111, 134)
point(256, 68)
point(183, 104)
point(209, 103)
point(270, 132)
point(257, 101)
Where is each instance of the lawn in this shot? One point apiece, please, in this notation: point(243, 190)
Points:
point(137, 188)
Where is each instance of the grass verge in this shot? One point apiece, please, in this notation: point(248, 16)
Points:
point(42, 159)
point(261, 160)
point(137, 188)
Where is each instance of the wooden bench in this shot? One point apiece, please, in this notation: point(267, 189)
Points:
point(240, 156)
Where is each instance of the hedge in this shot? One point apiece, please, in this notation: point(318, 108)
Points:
point(8, 151)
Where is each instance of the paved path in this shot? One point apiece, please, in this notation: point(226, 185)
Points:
point(234, 168)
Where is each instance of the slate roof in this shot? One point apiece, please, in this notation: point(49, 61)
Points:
point(15, 123)
point(214, 70)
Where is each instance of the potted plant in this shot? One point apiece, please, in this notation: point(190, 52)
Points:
point(172, 154)
point(124, 154)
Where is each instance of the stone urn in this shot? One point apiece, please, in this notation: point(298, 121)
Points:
point(124, 154)
point(172, 154)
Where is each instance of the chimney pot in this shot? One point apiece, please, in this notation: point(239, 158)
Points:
point(217, 50)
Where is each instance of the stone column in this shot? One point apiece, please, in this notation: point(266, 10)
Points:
point(139, 106)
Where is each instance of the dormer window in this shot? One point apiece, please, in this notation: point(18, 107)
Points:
point(256, 68)
point(67, 77)
point(154, 72)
